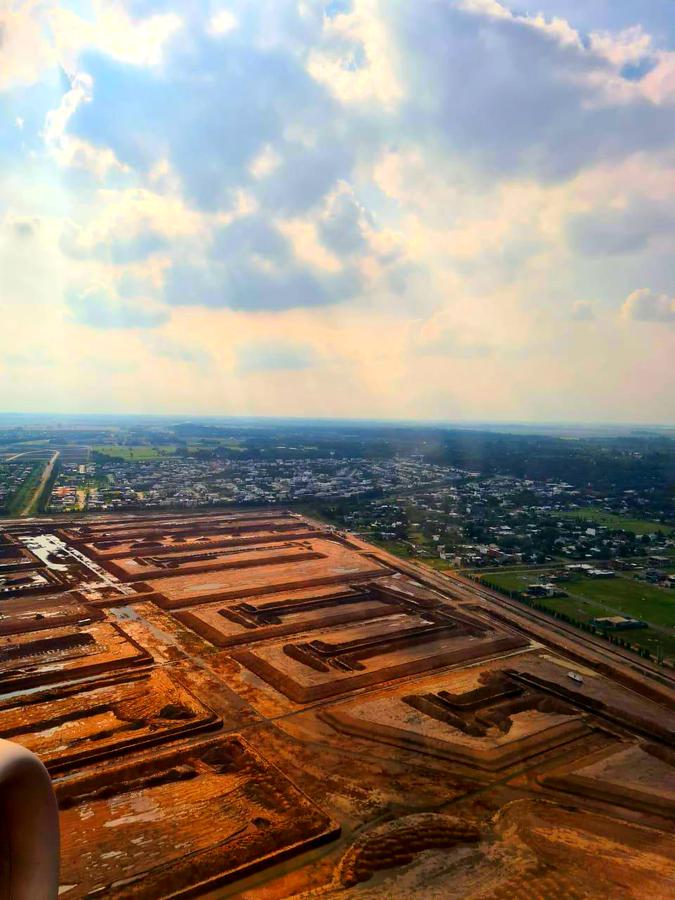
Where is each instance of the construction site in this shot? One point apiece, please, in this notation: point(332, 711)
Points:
point(254, 704)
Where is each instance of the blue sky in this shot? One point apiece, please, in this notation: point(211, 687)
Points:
point(372, 208)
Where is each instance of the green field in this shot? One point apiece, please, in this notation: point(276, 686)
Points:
point(18, 500)
point(621, 594)
point(233, 444)
point(632, 597)
point(589, 598)
point(134, 453)
point(611, 520)
point(435, 562)
point(513, 581)
point(396, 548)
point(584, 611)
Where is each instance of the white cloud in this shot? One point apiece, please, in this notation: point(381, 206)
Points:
point(392, 181)
point(25, 48)
point(354, 60)
point(266, 162)
point(223, 22)
point(71, 151)
point(557, 28)
point(644, 305)
point(112, 31)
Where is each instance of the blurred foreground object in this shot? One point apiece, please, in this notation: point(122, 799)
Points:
point(29, 827)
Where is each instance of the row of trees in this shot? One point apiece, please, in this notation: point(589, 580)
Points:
point(569, 620)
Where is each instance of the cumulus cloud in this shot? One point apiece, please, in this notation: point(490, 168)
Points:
point(119, 249)
point(461, 170)
point(108, 27)
point(644, 305)
point(251, 287)
point(627, 229)
point(99, 307)
point(24, 47)
point(250, 265)
point(212, 143)
point(548, 118)
point(283, 136)
point(343, 224)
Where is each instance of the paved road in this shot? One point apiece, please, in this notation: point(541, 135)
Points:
point(46, 475)
point(541, 627)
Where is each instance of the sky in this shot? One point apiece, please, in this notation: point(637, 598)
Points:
point(439, 209)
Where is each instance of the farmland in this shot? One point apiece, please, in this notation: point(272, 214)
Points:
point(132, 453)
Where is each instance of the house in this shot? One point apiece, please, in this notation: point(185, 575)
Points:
point(544, 590)
point(614, 623)
point(654, 575)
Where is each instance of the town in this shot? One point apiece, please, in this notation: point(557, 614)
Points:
point(600, 553)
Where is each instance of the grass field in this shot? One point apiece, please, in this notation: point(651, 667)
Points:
point(397, 548)
point(630, 596)
point(589, 598)
point(610, 520)
point(232, 444)
point(134, 453)
point(435, 562)
point(621, 594)
point(18, 500)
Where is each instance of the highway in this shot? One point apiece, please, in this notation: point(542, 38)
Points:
point(537, 625)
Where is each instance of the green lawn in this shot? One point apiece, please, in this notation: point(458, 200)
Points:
point(435, 562)
point(610, 520)
point(137, 452)
point(589, 598)
point(18, 499)
point(513, 581)
point(397, 548)
point(630, 596)
point(623, 594)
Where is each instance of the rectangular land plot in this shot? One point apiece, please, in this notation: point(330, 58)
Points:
point(635, 776)
point(61, 654)
point(292, 612)
point(73, 728)
point(491, 726)
point(30, 582)
point(164, 565)
point(156, 528)
point(274, 615)
point(344, 659)
point(197, 540)
point(14, 558)
point(36, 614)
point(334, 564)
point(183, 822)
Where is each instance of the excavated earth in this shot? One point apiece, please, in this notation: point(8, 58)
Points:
point(248, 703)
